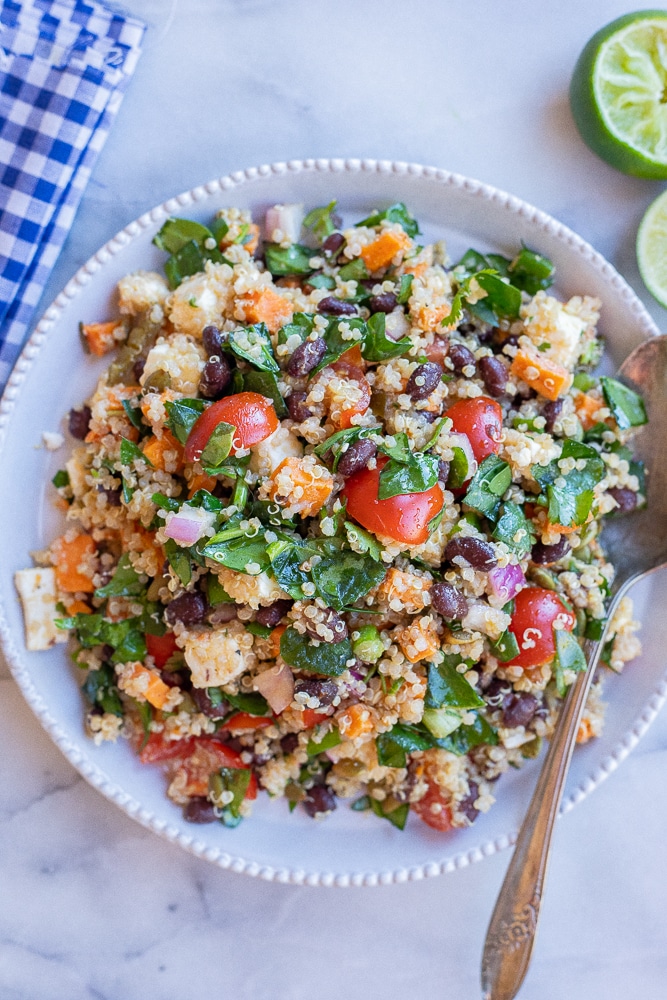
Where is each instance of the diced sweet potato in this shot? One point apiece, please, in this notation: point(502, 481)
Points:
point(430, 318)
point(408, 588)
point(267, 306)
point(201, 482)
point(74, 563)
point(586, 407)
point(302, 484)
point(546, 377)
point(419, 641)
point(382, 251)
point(140, 679)
point(100, 337)
point(154, 449)
point(356, 720)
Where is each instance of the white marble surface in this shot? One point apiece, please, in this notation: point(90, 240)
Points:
point(91, 904)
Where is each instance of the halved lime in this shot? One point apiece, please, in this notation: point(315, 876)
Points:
point(618, 93)
point(652, 248)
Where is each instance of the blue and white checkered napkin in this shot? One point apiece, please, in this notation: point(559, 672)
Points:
point(64, 65)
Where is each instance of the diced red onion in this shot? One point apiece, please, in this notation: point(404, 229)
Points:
point(397, 325)
point(188, 525)
point(506, 581)
point(283, 222)
point(277, 686)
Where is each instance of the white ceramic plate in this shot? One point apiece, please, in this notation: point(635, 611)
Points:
point(53, 375)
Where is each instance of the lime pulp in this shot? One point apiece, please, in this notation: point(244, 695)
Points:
point(652, 249)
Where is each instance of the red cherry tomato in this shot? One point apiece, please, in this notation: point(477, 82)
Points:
point(404, 518)
point(439, 817)
point(311, 717)
point(535, 611)
point(207, 757)
point(252, 414)
point(356, 374)
point(481, 420)
point(161, 647)
point(157, 749)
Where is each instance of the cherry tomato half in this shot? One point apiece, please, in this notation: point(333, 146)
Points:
point(356, 374)
point(434, 809)
point(481, 420)
point(208, 756)
point(252, 414)
point(535, 611)
point(404, 518)
point(161, 647)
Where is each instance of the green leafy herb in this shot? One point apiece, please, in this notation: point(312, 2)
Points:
point(356, 270)
point(627, 406)
point(61, 479)
point(491, 480)
point(569, 656)
point(594, 628)
point(446, 686)
point(229, 779)
point(125, 581)
point(397, 816)
point(253, 344)
point(406, 471)
point(328, 658)
point(404, 289)
point(392, 747)
point(180, 561)
point(320, 221)
point(190, 245)
point(514, 529)
point(530, 271)
point(362, 541)
point(126, 637)
point(182, 416)
point(459, 469)
point(266, 384)
point(237, 548)
point(253, 703)
point(342, 576)
point(133, 414)
point(255, 628)
point(465, 737)
point(215, 592)
point(570, 495)
point(301, 325)
point(218, 445)
point(395, 213)
point(376, 345)
point(101, 690)
point(129, 453)
point(294, 259)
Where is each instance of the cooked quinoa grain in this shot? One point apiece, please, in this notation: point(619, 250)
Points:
point(333, 518)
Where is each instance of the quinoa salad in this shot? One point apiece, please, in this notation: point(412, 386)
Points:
point(333, 515)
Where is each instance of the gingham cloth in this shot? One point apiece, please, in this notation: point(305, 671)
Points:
point(64, 65)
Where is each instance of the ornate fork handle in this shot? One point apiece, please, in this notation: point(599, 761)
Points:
point(511, 933)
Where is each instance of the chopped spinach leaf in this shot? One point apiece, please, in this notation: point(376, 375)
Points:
point(491, 480)
point(570, 495)
point(356, 270)
point(466, 737)
point(301, 325)
point(505, 647)
point(376, 345)
point(569, 656)
point(294, 259)
point(133, 414)
point(404, 289)
point(329, 740)
point(446, 686)
point(406, 471)
point(125, 581)
point(253, 344)
point(514, 529)
point(531, 271)
point(229, 779)
point(101, 690)
point(129, 453)
point(182, 415)
point(395, 213)
point(61, 479)
point(218, 445)
point(321, 221)
point(392, 746)
point(253, 703)
point(190, 245)
point(328, 658)
point(180, 561)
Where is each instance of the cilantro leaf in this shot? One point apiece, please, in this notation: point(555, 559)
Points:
point(328, 658)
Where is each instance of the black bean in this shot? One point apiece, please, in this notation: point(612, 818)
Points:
point(478, 554)
point(212, 340)
point(460, 357)
point(112, 495)
point(189, 609)
point(79, 421)
point(551, 412)
point(221, 613)
point(307, 356)
point(625, 498)
point(443, 470)
point(385, 302)
point(138, 368)
point(296, 407)
point(199, 810)
point(498, 692)
point(448, 601)
point(205, 705)
point(356, 457)
point(289, 743)
point(173, 679)
point(466, 328)
point(494, 375)
point(519, 710)
point(424, 379)
point(467, 805)
point(332, 244)
point(332, 621)
point(319, 799)
point(545, 554)
point(274, 613)
point(332, 306)
point(215, 378)
point(324, 691)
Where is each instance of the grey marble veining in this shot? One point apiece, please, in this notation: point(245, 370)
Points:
point(91, 904)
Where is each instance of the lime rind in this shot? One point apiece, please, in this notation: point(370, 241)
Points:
point(652, 249)
point(618, 93)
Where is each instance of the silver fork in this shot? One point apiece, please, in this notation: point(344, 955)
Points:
point(636, 545)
